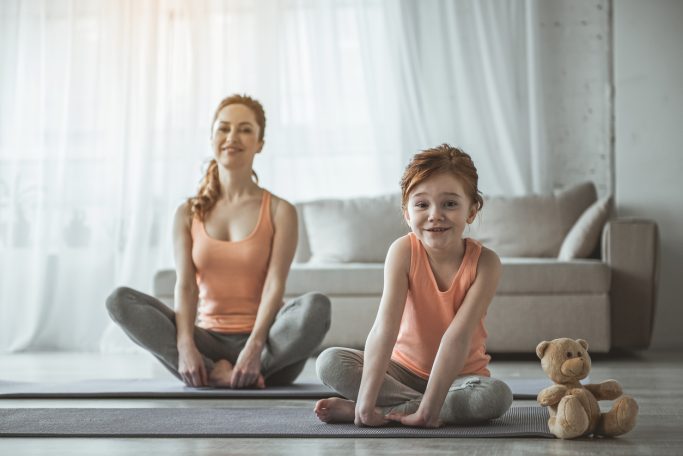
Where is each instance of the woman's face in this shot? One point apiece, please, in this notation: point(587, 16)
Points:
point(235, 137)
point(438, 211)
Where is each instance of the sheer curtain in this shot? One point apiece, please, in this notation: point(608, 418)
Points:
point(105, 109)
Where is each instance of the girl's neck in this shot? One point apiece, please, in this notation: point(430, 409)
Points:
point(236, 183)
point(448, 254)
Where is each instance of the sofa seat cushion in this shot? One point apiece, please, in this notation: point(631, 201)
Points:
point(548, 275)
point(520, 276)
point(336, 279)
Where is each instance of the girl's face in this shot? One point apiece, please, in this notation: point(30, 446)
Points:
point(235, 139)
point(438, 211)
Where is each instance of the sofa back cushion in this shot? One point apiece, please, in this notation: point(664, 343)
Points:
point(349, 230)
point(582, 239)
point(531, 225)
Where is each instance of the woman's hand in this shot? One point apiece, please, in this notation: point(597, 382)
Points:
point(371, 417)
point(416, 419)
point(247, 371)
point(191, 366)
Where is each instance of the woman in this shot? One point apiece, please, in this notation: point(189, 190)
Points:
point(234, 243)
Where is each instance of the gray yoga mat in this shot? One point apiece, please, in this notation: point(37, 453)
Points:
point(522, 388)
point(152, 388)
point(239, 422)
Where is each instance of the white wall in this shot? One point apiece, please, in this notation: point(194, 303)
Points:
point(575, 49)
point(648, 46)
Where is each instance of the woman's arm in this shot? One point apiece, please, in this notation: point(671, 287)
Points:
point(248, 365)
point(190, 361)
point(384, 332)
point(455, 344)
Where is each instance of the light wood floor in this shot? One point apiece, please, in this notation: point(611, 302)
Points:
point(654, 379)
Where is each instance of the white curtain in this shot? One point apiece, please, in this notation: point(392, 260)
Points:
point(104, 124)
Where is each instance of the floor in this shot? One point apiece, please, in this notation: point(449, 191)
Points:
point(654, 379)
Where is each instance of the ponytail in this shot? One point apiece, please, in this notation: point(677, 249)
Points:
point(208, 193)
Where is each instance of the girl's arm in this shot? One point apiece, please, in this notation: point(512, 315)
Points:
point(190, 362)
point(455, 344)
point(248, 366)
point(384, 332)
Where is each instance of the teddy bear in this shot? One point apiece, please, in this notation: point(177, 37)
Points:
point(574, 410)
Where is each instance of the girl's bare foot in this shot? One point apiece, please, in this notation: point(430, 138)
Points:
point(335, 410)
point(221, 375)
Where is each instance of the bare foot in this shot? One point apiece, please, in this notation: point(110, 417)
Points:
point(335, 410)
point(221, 375)
point(260, 382)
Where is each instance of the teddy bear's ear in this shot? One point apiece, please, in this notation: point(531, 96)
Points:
point(583, 343)
point(540, 348)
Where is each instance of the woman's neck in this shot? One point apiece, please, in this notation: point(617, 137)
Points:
point(236, 183)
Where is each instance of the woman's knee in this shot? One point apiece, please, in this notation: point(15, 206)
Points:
point(319, 307)
point(117, 302)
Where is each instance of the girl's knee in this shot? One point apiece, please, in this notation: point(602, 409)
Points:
point(477, 399)
point(327, 364)
point(501, 398)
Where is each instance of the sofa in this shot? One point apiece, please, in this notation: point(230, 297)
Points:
point(570, 269)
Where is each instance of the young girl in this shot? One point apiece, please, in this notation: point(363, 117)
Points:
point(234, 244)
point(425, 361)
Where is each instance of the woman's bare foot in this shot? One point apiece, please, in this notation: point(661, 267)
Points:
point(335, 410)
point(260, 382)
point(221, 375)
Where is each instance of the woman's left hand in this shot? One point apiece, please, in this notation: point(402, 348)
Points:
point(247, 370)
point(414, 420)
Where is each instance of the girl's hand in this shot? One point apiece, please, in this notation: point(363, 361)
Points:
point(415, 420)
point(247, 371)
point(191, 367)
point(372, 418)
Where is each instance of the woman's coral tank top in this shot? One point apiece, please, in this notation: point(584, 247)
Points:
point(231, 274)
point(428, 313)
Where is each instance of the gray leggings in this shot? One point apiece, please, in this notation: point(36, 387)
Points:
point(471, 398)
point(298, 329)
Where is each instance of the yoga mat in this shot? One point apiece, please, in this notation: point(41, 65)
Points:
point(151, 388)
point(522, 388)
point(239, 422)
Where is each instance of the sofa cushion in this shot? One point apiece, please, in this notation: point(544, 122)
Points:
point(531, 225)
point(336, 279)
point(520, 276)
point(548, 275)
point(353, 230)
point(582, 239)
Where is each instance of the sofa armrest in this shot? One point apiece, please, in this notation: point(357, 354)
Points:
point(631, 248)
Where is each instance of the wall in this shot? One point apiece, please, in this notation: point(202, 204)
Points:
point(648, 37)
point(575, 65)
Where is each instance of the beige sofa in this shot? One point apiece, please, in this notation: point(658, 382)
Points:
point(568, 269)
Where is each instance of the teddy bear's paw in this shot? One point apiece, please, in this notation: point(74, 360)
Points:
point(622, 418)
point(611, 388)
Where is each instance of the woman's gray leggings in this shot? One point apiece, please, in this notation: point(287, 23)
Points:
point(298, 329)
point(471, 398)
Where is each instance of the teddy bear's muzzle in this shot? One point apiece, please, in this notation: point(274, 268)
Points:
point(575, 368)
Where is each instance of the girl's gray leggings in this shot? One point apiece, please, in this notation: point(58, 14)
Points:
point(297, 330)
point(471, 398)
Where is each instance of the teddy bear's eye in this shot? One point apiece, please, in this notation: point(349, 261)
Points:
point(569, 354)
